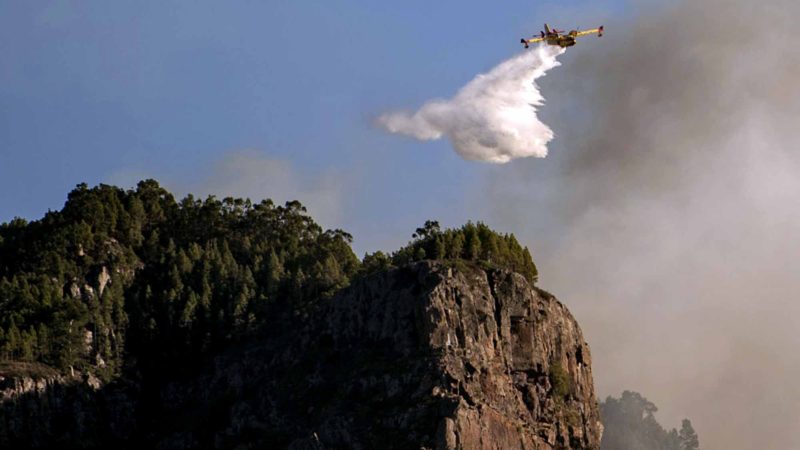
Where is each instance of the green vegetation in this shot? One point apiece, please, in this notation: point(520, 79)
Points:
point(559, 380)
point(135, 272)
point(472, 242)
point(687, 437)
point(135, 279)
point(630, 424)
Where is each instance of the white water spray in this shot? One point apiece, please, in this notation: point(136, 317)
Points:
point(492, 118)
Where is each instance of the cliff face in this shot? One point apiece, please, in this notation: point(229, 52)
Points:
point(460, 359)
point(62, 411)
point(426, 356)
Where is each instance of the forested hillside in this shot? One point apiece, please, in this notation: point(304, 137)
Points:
point(118, 273)
point(123, 299)
point(132, 280)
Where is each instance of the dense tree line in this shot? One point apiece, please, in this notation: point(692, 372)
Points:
point(472, 242)
point(136, 271)
point(630, 424)
point(137, 277)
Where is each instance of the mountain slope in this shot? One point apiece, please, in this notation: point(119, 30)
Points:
point(424, 356)
point(131, 320)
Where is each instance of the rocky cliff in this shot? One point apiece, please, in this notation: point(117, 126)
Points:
point(431, 355)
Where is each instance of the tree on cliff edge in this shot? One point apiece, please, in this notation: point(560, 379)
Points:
point(473, 242)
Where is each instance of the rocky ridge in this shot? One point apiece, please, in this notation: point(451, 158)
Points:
point(432, 355)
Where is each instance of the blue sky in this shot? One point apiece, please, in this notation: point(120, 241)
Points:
point(113, 91)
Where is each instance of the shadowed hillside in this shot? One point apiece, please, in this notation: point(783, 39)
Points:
point(131, 319)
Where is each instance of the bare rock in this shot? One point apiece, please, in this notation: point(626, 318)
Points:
point(426, 356)
point(429, 356)
point(102, 280)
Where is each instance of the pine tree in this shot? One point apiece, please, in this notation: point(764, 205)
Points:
point(471, 242)
point(440, 251)
point(274, 273)
point(688, 437)
point(456, 247)
point(630, 424)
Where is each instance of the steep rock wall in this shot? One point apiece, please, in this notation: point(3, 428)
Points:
point(430, 356)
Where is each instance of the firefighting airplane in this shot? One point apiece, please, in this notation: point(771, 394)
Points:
point(557, 37)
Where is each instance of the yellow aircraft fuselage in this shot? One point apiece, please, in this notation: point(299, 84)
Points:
point(556, 37)
point(561, 40)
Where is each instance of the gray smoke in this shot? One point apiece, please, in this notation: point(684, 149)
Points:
point(673, 204)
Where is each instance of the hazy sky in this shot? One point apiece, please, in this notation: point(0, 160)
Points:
point(666, 215)
point(112, 91)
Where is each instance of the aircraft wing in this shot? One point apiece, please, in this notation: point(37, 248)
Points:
point(599, 31)
point(532, 41)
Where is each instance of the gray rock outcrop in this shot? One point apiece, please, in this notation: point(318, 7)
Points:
point(430, 356)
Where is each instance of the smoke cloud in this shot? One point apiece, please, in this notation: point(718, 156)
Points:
point(493, 118)
point(672, 216)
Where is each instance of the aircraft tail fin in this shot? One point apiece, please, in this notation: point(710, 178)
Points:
point(546, 29)
point(600, 33)
point(524, 42)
